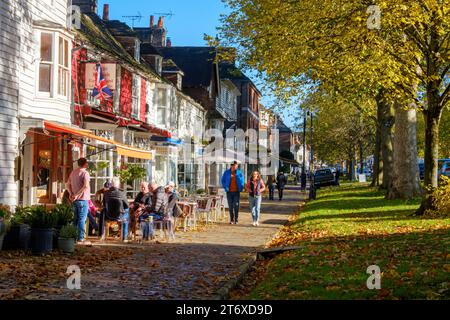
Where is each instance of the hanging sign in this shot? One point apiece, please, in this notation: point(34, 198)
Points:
point(109, 73)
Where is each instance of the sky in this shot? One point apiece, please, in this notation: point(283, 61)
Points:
point(191, 19)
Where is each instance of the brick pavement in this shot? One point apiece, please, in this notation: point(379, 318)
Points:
point(194, 266)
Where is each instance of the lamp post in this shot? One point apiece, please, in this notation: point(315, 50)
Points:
point(303, 177)
point(312, 187)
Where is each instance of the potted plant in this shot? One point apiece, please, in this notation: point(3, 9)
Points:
point(63, 215)
point(18, 237)
point(5, 216)
point(67, 237)
point(42, 223)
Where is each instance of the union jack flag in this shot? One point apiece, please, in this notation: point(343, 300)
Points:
point(101, 90)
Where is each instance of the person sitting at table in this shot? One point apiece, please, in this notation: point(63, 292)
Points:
point(155, 210)
point(100, 194)
point(117, 209)
point(172, 199)
point(142, 200)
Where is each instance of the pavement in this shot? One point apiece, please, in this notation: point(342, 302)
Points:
point(193, 267)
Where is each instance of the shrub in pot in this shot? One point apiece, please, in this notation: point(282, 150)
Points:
point(18, 237)
point(5, 216)
point(67, 237)
point(63, 215)
point(42, 225)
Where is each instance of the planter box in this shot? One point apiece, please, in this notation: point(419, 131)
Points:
point(66, 245)
point(41, 241)
point(18, 238)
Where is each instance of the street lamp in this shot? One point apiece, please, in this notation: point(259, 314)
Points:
point(303, 177)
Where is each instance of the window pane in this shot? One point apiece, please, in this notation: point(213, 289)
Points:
point(66, 53)
point(46, 46)
point(63, 76)
point(45, 72)
point(61, 51)
point(161, 113)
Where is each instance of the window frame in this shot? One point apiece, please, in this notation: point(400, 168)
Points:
point(136, 96)
point(56, 35)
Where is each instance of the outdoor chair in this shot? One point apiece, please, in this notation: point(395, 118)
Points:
point(166, 226)
point(206, 213)
point(110, 218)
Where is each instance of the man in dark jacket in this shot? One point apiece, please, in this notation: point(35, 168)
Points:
point(281, 183)
point(116, 206)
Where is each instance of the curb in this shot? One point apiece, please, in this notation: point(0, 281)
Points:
point(224, 292)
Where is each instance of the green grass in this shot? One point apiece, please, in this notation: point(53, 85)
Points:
point(350, 228)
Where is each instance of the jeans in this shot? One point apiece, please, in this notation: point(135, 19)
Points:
point(233, 204)
point(92, 221)
point(80, 210)
point(146, 225)
point(271, 192)
point(125, 220)
point(255, 207)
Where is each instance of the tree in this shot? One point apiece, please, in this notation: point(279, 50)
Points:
point(330, 42)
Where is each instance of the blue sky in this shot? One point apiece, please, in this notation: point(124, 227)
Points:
point(190, 21)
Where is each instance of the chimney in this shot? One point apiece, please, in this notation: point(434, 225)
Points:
point(106, 11)
point(168, 43)
point(161, 22)
point(152, 21)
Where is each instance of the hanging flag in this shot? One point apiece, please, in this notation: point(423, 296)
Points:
point(101, 90)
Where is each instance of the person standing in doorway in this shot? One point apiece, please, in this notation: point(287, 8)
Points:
point(255, 188)
point(79, 189)
point(271, 186)
point(281, 183)
point(233, 183)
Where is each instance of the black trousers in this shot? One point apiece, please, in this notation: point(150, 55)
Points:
point(280, 193)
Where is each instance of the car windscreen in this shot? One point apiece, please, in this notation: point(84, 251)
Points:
point(323, 172)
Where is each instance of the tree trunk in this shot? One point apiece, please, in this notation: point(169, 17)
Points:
point(377, 162)
point(405, 183)
point(432, 120)
point(387, 149)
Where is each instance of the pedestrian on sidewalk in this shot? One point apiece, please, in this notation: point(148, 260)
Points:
point(281, 184)
point(233, 183)
point(271, 183)
point(255, 188)
point(79, 189)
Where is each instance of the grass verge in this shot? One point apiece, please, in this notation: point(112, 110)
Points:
point(345, 231)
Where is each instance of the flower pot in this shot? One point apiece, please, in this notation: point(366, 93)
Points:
point(41, 241)
point(66, 244)
point(17, 238)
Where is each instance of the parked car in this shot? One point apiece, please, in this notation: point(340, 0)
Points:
point(421, 170)
point(324, 177)
point(445, 169)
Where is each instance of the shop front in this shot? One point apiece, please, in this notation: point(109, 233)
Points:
point(50, 151)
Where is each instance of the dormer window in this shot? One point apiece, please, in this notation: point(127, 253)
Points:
point(137, 50)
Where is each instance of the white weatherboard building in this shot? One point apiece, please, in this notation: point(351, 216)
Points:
point(35, 66)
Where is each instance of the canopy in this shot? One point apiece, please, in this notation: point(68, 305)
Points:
point(122, 149)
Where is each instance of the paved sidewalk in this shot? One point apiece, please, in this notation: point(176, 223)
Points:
point(194, 266)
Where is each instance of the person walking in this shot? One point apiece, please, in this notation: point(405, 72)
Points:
point(281, 183)
point(255, 188)
point(78, 186)
point(271, 186)
point(233, 183)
